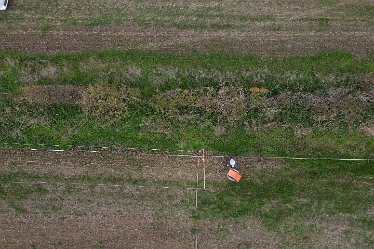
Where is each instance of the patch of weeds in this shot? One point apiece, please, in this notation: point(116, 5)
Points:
point(273, 27)
point(45, 28)
point(323, 23)
point(295, 113)
point(2, 191)
point(42, 134)
point(103, 101)
point(14, 165)
point(17, 207)
point(338, 143)
point(300, 232)
point(273, 141)
point(366, 224)
point(223, 230)
point(53, 209)
point(62, 114)
point(360, 237)
point(18, 191)
point(96, 21)
point(368, 239)
point(236, 200)
point(188, 203)
point(361, 10)
point(328, 2)
point(322, 169)
point(192, 137)
point(68, 190)
point(13, 177)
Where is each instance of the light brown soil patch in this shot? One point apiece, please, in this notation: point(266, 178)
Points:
point(51, 94)
point(153, 166)
point(263, 43)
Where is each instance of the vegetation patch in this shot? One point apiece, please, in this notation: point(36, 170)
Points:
point(225, 103)
point(103, 101)
point(294, 201)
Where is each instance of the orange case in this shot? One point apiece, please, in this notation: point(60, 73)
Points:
point(234, 175)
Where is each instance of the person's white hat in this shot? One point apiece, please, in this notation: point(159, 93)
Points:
point(3, 4)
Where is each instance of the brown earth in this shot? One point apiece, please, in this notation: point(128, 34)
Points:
point(180, 41)
point(124, 164)
point(51, 94)
point(73, 212)
point(259, 27)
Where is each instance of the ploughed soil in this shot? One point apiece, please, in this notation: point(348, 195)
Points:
point(116, 199)
point(279, 43)
point(255, 27)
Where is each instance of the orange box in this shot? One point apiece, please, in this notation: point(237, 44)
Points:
point(234, 175)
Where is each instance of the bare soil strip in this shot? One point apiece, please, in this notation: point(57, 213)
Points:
point(74, 213)
point(124, 164)
point(180, 41)
point(259, 27)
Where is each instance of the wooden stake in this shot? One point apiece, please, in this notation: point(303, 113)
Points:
point(197, 182)
point(204, 166)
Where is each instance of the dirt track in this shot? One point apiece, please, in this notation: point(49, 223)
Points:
point(79, 206)
point(124, 164)
point(263, 43)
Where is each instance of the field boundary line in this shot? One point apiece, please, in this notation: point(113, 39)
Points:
point(30, 183)
point(196, 196)
point(189, 153)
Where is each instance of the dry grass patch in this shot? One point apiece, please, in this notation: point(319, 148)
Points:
point(227, 104)
point(51, 94)
point(104, 101)
point(368, 130)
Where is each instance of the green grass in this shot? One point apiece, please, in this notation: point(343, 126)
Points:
point(271, 142)
point(90, 67)
point(297, 201)
point(328, 2)
point(103, 20)
point(303, 191)
point(362, 10)
point(154, 74)
point(45, 28)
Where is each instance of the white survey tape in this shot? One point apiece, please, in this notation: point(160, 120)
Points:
point(191, 154)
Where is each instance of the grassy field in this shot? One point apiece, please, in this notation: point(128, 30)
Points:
point(244, 78)
point(318, 105)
